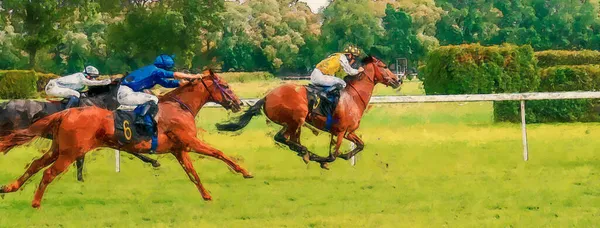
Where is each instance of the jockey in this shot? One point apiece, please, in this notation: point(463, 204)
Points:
point(70, 86)
point(324, 75)
point(132, 86)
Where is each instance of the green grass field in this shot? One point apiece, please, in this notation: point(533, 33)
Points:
point(424, 165)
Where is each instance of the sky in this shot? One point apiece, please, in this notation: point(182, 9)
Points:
point(315, 4)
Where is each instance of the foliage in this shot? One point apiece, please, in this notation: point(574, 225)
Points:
point(347, 22)
point(476, 69)
point(557, 79)
point(246, 76)
point(400, 38)
point(562, 57)
point(42, 81)
point(18, 84)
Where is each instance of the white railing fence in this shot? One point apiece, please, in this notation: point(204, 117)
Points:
point(522, 97)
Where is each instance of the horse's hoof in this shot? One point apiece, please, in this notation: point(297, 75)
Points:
point(35, 205)
point(208, 198)
point(155, 164)
point(306, 158)
point(325, 165)
point(248, 176)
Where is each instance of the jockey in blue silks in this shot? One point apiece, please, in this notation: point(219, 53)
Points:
point(131, 92)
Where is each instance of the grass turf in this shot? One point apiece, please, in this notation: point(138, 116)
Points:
point(424, 165)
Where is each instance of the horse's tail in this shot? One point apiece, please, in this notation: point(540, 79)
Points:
point(244, 119)
point(40, 127)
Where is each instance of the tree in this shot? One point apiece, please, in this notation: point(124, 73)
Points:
point(41, 22)
point(347, 22)
point(400, 39)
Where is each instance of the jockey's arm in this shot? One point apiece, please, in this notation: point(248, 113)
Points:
point(180, 75)
point(346, 66)
point(89, 82)
point(169, 83)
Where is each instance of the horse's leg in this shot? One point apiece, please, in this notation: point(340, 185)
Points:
point(186, 163)
point(336, 151)
point(294, 144)
point(60, 165)
point(79, 164)
point(314, 130)
point(202, 148)
point(33, 168)
point(360, 145)
point(145, 159)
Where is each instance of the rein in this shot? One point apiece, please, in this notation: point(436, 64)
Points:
point(182, 104)
point(359, 96)
point(223, 93)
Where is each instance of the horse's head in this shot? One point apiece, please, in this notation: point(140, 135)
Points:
point(220, 92)
point(381, 72)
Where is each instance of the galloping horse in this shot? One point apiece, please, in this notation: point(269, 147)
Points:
point(288, 106)
point(20, 114)
point(176, 133)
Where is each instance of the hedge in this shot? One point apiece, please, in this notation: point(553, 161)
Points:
point(475, 69)
point(556, 79)
point(558, 57)
point(246, 76)
point(42, 81)
point(18, 84)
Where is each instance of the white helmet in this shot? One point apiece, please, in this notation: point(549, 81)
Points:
point(91, 71)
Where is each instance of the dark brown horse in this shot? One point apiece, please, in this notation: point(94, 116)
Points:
point(78, 131)
point(21, 113)
point(288, 106)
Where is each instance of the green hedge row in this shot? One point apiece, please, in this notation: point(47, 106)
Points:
point(23, 84)
point(559, 57)
point(471, 69)
point(18, 84)
point(246, 76)
point(475, 69)
point(556, 79)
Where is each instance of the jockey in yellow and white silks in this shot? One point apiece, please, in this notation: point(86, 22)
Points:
point(324, 73)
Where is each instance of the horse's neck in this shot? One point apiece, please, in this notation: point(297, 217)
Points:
point(193, 96)
point(360, 91)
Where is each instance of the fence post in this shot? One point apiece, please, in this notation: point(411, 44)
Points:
point(117, 161)
point(353, 158)
point(524, 131)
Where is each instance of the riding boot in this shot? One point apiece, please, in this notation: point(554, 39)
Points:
point(333, 98)
point(73, 102)
point(146, 115)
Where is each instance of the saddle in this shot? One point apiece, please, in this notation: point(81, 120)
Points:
point(321, 100)
point(128, 131)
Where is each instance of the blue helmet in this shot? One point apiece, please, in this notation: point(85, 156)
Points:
point(164, 61)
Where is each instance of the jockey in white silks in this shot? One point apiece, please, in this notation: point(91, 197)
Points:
point(70, 86)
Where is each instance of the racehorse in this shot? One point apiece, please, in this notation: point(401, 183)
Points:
point(20, 114)
point(288, 105)
point(176, 133)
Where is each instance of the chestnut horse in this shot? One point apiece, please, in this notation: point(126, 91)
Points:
point(77, 131)
point(288, 106)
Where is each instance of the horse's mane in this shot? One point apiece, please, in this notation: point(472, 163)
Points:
point(367, 60)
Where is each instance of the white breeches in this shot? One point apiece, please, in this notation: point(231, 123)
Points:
point(53, 89)
point(318, 78)
point(126, 96)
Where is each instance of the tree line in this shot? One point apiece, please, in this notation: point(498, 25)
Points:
point(280, 36)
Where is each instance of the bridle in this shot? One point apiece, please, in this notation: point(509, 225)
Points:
point(228, 98)
point(377, 71)
point(225, 95)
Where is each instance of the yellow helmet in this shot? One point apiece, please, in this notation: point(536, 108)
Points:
point(352, 50)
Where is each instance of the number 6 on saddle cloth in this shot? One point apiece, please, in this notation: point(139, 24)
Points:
point(137, 125)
